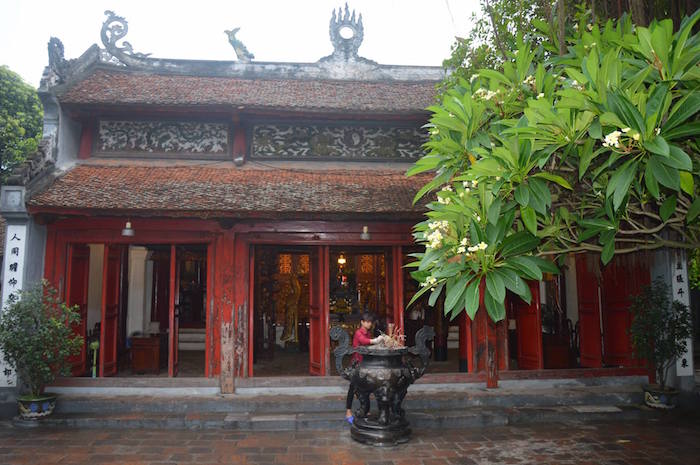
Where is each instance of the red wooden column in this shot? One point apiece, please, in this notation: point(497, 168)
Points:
point(490, 343)
point(172, 317)
point(397, 264)
point(319, 270)
point(109, 326)
point(466, 352)
point(209, 311)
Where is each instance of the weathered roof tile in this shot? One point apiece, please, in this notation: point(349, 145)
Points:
point(129, 88)
point(210, 192)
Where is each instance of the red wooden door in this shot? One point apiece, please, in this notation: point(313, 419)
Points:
point(109, 325)
point(318, 310)
point(173, 309)
point(77, 294)
point(590, 341)
point(623, 278)
point(529, 329)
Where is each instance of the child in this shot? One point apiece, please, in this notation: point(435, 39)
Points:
point(362, 337)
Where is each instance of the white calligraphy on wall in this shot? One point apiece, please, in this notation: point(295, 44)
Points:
point(15, 240)
point(681, 293)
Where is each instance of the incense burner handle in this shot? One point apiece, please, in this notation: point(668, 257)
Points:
point(343, 338)
point(423, 336)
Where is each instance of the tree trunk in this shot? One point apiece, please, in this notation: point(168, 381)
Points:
point(561, 18)
point(496, 35)
point(637, 12)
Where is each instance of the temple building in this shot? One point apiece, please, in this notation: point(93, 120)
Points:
point(214, 219)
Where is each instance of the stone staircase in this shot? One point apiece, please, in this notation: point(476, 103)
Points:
point(263, 407)
point(192, 339)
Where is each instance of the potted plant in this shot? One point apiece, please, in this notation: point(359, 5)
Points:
point(36, 339)
point(659, 330)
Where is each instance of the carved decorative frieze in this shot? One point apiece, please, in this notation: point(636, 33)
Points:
point(326, 142)
point(162, 137)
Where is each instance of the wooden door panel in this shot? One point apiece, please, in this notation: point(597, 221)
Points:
point(318, 310)
point(77, 294)
point(590, 341)
point(109, 325)
point(529, 329)
point(623, 277)
point(172, 314)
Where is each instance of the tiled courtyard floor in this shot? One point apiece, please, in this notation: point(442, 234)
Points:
point(651, 442)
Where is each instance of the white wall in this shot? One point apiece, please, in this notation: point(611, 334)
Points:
point(136, 319)
point(94, 313)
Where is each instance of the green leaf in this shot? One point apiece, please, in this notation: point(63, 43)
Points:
point(657, 145)
point(495, 285)
point(650, 181)
point(455, 292)
point(687, 130)
point(495, 76)
point(554, 178)
point(683, 109)
point(527, 267)
point(435, 294)
point(522, 195)
point(666, 175)
point(518, 243)
point(620, 182)
point(471, 298)
point(678, 159)
point(608, 251)
point(515, 283)
point(626, 110)
point(417, 295)
point(494, 211)
point(668, 207)
point(611, 119)
point(693, 210)
point(687, 182)
point(495, 308)
point(545, 266)
point(529, 218)
point(654, 104)
point(595, 130)
point(682, 37)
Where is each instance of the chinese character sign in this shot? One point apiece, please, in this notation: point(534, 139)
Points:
point(13, 274)
point(684, 364)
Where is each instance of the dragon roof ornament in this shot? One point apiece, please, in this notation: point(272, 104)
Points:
point(114, 29)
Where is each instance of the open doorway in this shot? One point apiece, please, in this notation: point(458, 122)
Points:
point(143, 309)
point(281, 311)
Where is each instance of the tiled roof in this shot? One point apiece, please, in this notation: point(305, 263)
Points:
point(132, 88)
point(213, 192)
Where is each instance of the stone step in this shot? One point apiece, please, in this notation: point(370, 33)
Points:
point(284, 404)
point(200, 346)
point(472, 417)
point(192, 337)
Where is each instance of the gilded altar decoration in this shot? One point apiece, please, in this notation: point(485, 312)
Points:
point(330, 142)
point(285, 263)
point(162, 137)
point(291, 309)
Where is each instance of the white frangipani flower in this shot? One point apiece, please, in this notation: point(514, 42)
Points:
point(612, 139)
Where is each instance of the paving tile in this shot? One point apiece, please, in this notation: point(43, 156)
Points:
point(671, 440)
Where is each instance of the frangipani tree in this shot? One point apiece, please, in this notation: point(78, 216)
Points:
point(589, 151)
